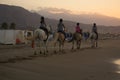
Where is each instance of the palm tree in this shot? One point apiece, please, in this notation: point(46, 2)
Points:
point(12, 26)
point(4, 25)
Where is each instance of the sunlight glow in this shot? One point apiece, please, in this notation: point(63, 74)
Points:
point(106, 7)
point(117, 62)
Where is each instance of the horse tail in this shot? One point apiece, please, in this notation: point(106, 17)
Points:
point(73, 37)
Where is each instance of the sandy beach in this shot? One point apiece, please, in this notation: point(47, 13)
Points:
point(85, 64)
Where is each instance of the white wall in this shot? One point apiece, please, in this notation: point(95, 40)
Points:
point(10, 36)
point(7, 37)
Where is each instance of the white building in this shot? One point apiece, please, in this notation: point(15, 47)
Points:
point(13, 36)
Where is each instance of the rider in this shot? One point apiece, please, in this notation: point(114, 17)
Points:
point(61, 27)
point(78, 29)
point(94, 29)
point(43, 25)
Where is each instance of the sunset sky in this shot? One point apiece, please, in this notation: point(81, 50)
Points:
point(105, 7)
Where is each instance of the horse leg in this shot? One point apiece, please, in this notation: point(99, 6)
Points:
point(79, 43)
point(92, 43)
point(62, 47)
point(73, 45)
point(35, 51)
point(59, 46)
point(96, 43)
point(54, 47)
point(46, 46)
point(34, 47)
point(39, 46)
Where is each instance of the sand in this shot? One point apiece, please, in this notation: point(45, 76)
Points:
point(84, 64)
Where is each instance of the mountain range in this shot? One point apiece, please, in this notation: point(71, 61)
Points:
point(87, 18)
point(25, 19)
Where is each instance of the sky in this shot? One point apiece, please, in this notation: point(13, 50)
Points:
point(104, 7)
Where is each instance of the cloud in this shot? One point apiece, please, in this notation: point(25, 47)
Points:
point(87, 18)
point(53, 10)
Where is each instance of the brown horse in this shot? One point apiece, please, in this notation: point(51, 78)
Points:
point(77, 37)
point(60, 38)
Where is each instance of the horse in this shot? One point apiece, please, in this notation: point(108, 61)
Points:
point(77, 37)
point(40, 39)
point(28, 35)
point(94, 39)
point(60, 38)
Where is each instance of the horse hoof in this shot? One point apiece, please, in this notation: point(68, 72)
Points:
point(55, 52)
point(35, 53)
point(72, 48)
point(63, 52)
point(40, 52)
point(78, 47)
point(44, 53)
point(60, 50)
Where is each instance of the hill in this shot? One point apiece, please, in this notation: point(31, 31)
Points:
point(20, 16)
point(86, 18)
point(25, 19)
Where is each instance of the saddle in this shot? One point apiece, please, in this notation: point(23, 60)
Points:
point(62, 33)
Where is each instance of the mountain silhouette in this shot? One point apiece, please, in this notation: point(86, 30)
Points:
point(86, 18)
point(25, 19)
